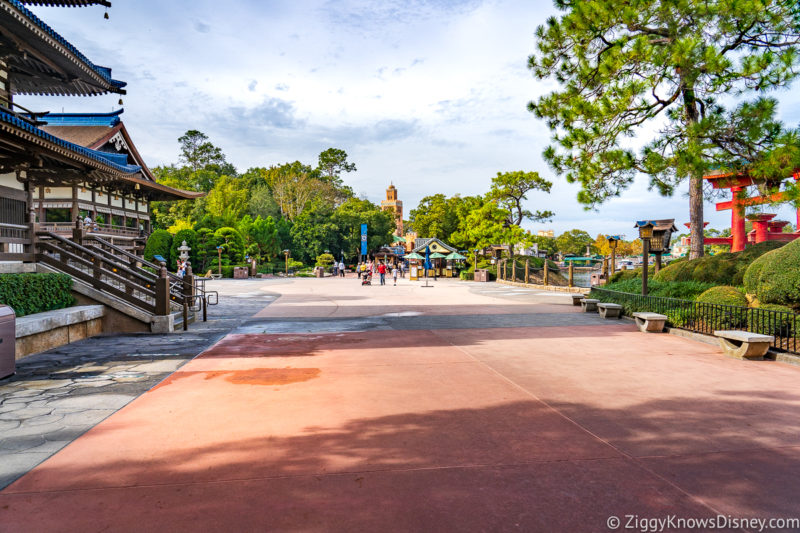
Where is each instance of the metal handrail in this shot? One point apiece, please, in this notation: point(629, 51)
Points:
point(702, 317)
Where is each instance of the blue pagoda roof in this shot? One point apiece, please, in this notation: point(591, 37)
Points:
point(114, 161)
point(82, 119)
point(103, 72)
point(67, 3)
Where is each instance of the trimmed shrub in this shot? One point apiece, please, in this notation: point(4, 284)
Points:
point(751, 275)
point(232, 244)
point(684, 290)
point(190, 236)
point(466, 276)
point(723, 295)
point(779, 279)
point(720, 269)
point(34, 292)
point(158, 243)
point(324, 260)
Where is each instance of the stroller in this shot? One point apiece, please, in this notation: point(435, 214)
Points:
point(366, 278)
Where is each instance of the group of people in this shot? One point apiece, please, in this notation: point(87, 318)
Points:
point(370, 268)
point(338, 268)
point(182, 265)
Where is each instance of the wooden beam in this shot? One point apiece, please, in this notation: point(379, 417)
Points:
point(755, 200)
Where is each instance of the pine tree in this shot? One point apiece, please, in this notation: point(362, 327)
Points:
point(656, 70)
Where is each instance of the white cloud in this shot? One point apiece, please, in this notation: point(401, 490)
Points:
point(429, 94)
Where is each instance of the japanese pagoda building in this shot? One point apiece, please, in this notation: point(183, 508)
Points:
point(57, 167)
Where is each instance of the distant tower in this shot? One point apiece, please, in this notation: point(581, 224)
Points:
point(393, 204)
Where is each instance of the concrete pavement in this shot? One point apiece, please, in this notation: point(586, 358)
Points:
point(466, 407)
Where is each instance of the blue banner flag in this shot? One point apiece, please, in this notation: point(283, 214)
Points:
point(363, 239)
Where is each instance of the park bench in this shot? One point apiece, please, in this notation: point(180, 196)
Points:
point(609, 310)
point(744, 344)
point(589, 305)
point(577, 298)
point(649, 322)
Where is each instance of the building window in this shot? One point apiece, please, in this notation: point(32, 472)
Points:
point(59, 214)
point(12, 211)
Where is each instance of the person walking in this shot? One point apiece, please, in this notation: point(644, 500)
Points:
point(358, 270)
point(394, 275)
point(382, 272)
point(341, 267)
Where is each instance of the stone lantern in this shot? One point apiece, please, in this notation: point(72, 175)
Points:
point(184, 251)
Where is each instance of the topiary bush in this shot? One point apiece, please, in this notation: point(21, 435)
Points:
point(30, 293)
point(158, 243)
point(190, 236)
point(719, 269)
point(724, 317)
point(232, 244)
point(779, 279)
point(324, 260)
point(751, 275)
point(723, 295)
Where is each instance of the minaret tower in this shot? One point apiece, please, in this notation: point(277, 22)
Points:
point(393, 204)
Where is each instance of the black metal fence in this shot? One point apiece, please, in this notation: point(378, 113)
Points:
point(707, 318)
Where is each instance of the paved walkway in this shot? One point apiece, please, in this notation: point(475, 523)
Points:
point(463, 407)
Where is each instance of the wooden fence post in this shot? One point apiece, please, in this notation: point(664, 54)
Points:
point(162, 292)
point(571, 268)
point(546, 273)
point(527, 270)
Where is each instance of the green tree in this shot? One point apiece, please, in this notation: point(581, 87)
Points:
point(625, 65)
point(313, 231)
point(485, 224)
point(197, 152)
point(227, 200)
point(261, 202)
point(264, 233)
point(332, 162)
point(437, 216)
point(573, 242)
point(349, 216)
point(512, 188)
point(232, 244)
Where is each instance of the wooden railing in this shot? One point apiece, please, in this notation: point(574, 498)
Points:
point(65, 228)
point(102, 273)
point(15, 242)
point(189, 292)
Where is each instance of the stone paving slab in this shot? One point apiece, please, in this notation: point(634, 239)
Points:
point(58, 395)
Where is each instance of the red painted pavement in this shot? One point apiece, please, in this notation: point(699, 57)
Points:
point(528, 429)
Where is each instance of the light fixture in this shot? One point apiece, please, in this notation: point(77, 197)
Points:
point(120, 101)
point(47, 190)
point(105, 15)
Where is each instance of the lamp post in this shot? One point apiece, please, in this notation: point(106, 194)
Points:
point(645, 233)
point(286, 253)
point(613, 240)
point(219, 259)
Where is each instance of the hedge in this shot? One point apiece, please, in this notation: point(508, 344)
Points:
point(779, 279)
point(723, 295)
point(720, 269)
point(158, 243)
point(36, 292)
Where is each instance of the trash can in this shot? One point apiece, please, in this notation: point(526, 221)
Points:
point(8, 340)
point(240, 273)
point(481, 274)
point(319, 272)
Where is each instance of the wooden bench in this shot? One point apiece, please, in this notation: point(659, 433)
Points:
point(576, 299)
point(589, 305)
point(743, 344)
point(609, 310)
point(650, 322)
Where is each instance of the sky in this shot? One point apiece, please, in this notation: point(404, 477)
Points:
point(430, 95)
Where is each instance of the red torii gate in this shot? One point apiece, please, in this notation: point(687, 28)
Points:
point(764, 228)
